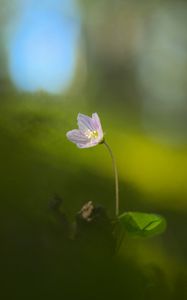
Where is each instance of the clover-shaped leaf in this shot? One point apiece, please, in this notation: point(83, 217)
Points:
point(139, 224)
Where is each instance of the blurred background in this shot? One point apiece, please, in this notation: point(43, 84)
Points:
point(127, 61)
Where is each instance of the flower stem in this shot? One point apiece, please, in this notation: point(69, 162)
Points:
point(115, 175)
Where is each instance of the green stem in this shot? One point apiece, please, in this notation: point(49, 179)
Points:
point(115, 175)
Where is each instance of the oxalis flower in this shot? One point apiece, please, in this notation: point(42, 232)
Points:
point(90, 131)
point(90, 134)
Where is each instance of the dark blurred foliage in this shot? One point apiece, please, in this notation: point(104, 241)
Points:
point(43, 261)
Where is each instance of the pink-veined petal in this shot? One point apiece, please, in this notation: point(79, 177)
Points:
point(87, 145)
point(97, 125)
point(85, 123)
point(76, 136)
point(83, 145)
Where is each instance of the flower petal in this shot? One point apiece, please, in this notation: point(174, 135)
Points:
point(90, 131)
point(87, 145)
point(97, 125)
point(76, 136)
point(85, 123)
point(83, 145)
point(96, 121)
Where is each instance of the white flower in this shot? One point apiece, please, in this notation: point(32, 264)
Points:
point(90, 131)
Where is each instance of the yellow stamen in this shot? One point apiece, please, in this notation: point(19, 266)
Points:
point(92, 134)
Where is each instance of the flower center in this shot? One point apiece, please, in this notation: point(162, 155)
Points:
point(91, 134)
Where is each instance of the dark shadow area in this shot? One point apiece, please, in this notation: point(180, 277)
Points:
point(39, 260)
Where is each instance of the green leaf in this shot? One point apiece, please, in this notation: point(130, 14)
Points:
point(140, 224)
